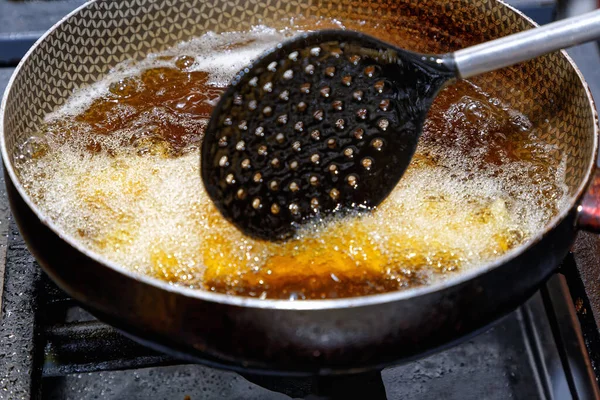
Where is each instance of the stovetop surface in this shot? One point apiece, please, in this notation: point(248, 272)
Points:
point(52, 349)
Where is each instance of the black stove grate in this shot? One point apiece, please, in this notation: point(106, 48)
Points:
point(20, 368)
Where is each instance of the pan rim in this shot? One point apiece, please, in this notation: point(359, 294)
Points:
point(305, 305)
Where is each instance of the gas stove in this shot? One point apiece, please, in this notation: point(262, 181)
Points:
point(50, 348)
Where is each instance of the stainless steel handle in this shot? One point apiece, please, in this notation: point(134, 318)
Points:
point(526, 45)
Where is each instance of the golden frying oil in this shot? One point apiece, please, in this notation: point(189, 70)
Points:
point(118, 169)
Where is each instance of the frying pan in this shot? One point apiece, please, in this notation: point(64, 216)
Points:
point(301, 337)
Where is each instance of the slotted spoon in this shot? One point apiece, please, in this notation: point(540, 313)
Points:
point(329, 121)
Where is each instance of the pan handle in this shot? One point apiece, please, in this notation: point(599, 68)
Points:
point(589, 210)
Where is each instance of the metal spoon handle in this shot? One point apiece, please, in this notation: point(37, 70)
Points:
point(523, 46)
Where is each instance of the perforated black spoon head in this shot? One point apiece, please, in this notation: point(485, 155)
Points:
point(327, 122)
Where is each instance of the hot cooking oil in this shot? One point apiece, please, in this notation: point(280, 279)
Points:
point(117, 168)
